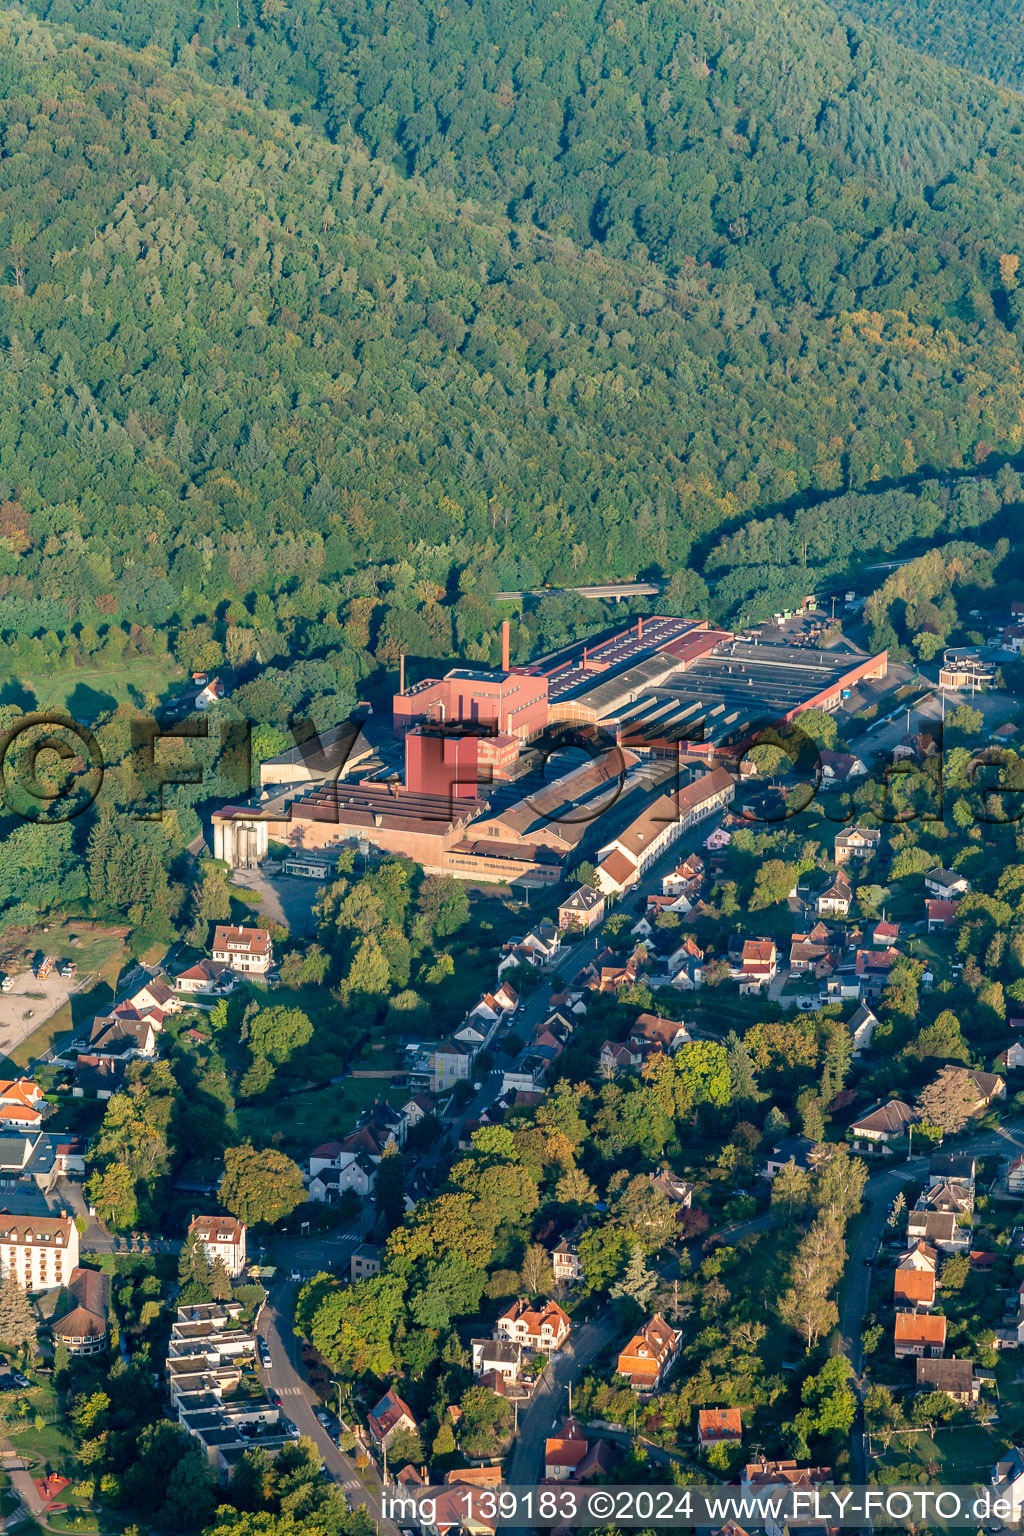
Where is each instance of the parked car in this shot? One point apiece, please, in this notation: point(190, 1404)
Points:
point(7, 984)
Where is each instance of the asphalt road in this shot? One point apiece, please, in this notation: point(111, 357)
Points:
point(286, 1377)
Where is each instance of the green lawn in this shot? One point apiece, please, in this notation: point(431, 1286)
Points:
point(306, 1119)
point(956, 1453)
point(89, 692)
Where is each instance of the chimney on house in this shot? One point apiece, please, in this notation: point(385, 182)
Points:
point(504, 646)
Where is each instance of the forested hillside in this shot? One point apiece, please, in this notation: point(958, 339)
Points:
point(723, 132)
point(269, 383)
point(986, 36)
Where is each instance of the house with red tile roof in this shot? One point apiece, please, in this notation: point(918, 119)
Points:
point(939, 914)
point(914, 1289)
point(648, 1357)
point(250, 951)
point(758, 962)
point(388, 1418)
point(544, 1327)
point(564, 1452)
point(919, 1333)
point(719, 1426)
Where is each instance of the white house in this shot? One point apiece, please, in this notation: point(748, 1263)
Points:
point(1007, 1481)
point(39, 1251)
point(544, 1327)
point(946, 884)
point(223, 1238)
point(207, 978)
point(250, 951)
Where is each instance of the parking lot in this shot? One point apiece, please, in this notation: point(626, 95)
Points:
point(30, 1003)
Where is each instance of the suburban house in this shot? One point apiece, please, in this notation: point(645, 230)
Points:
point(872, 1132)
point(919, 1257)
point(207, 978)
point(838, 767)
point(499, 1004)
point(544, 1327)
point(500, 1358)
point(800, 1150)
point(657, 1034)
point(669, 1184)
point(835, 897)
point(1015, 1176)
point(249, 951)
point(914, 1289)
point(96, 1077)
point(758, 963)
point(222, 1238)
point(885, 934)
point(212, 693)
point(648, 1357)
point(954, 1377)
point(862, 1026)
point(857, 843)
point(919, 1333)
point(82, 1324)
point(946, 884)
point(685, 878)
point(450, 1063)
point(581, 911)
point(122, 1037)
point(342, 1171)
point(22, 1103)
point(1007, 1482)
point(719, 1426)
point(955, 1167)
point(41, 1252)
point(987, 1086)
point(872, 968)
point(620, 1055)
point(1012, 1059)
point(564, 1451)
point(815, 953)
point(565, 1256)
point(939, 915)
point(365, 1263)
point(388, 1418)
point(939, 1229)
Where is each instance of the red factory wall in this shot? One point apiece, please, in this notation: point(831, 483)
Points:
point(514, 704)
point(441, 765)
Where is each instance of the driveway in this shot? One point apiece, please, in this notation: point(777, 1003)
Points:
point(285, 899)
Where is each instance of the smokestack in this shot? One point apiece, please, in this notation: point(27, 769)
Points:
point(401, 673)
point(504, 646)
point(640, 628)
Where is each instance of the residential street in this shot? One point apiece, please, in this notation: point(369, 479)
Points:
point(880, 1190)
point(286, 1377)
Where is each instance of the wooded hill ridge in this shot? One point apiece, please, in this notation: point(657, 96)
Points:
point(243, 363)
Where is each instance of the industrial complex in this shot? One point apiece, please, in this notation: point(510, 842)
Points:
point(661, 709)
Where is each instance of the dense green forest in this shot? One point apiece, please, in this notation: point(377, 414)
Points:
point(266, 394)
point(986, 36)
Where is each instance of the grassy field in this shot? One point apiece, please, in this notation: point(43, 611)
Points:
point(90, 692)
point(307, 1119)
point(955, 1453)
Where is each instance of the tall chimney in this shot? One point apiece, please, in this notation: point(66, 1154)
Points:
point(504, 646)
point(640, 628)
point(401, 673)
